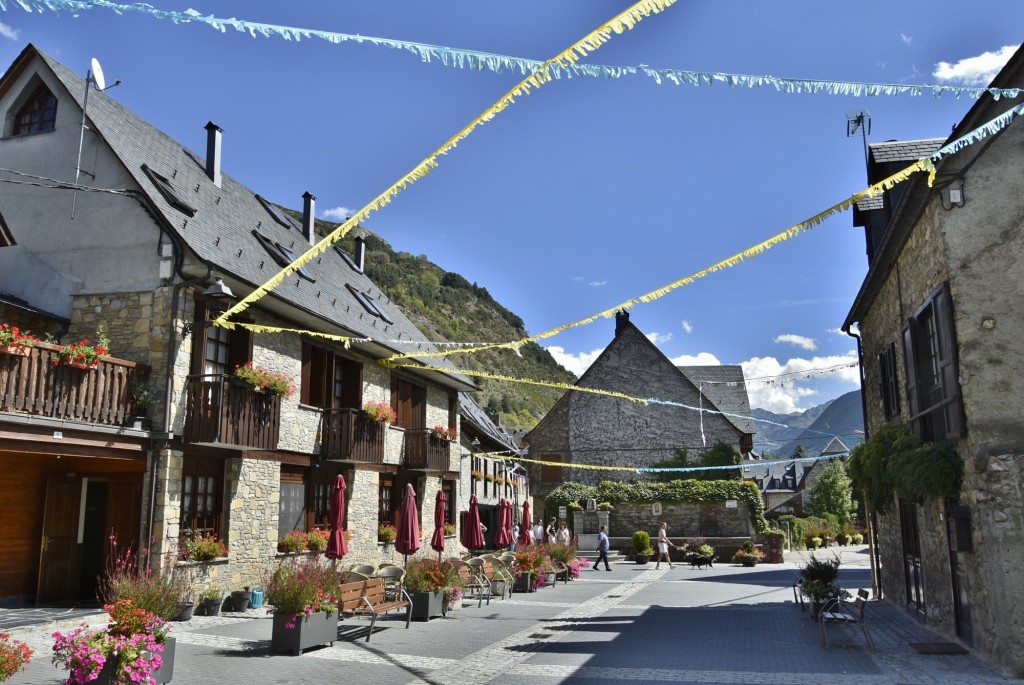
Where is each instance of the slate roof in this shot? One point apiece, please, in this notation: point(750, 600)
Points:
point(771, 475)
point(472, 412)
point(903, 150)
point(835, 446)
point(726, 388)
point(220, 233)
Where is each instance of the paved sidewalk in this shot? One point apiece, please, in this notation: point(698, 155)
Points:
point(724, 625)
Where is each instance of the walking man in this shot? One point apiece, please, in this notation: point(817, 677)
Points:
point(602, 548)
point(663, 544)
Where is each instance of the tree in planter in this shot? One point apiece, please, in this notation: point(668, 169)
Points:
point(642, 549)
point(832, 493)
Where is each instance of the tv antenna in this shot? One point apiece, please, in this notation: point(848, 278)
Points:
point(859, 121)
point(95, 77)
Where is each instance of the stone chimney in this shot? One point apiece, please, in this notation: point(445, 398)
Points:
point(213, 136)
point(621, 319)
point(308, 216)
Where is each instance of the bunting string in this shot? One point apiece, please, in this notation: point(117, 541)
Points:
point(476, 60)
point(674, 469)
point(589, 43)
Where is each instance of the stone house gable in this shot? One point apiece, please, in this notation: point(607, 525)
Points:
point(941, 325)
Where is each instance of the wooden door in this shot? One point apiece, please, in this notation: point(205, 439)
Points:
point(58, 556)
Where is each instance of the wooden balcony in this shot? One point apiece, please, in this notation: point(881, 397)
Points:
point(40, 384)
point(223, 411)
point(425, 449)
point(347, 435)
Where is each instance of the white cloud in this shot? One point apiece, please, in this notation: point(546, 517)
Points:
point(702, 359)
point(659, 337)
point(779, 387)
point(7, 32)
point(907, 40)
point(975, 71)
point(576, 279)
point(808, 344)
point(574, 363)
point(687, 326)
point(597, 284)
point(337, 213)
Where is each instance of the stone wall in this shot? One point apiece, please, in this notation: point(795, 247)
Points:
point(684, 520)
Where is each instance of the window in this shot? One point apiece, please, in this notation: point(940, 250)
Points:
point(279, 215)
point(330, 380)
point(887, 381)
point(163, 184)
point(347, 259)
point(409, 402)
point(549, 473)
point(933, 385)
point(368, 303)
point(281, 254)
point(453, 410)
point(387, 506)
point(38, 114)
point(448, 488)
point(292, 505)
point(202, 484)
point(217, 350)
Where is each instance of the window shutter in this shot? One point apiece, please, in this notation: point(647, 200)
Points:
point(352, 383)
point(202, 315)
point(304, 384)
point(910, 366)
point(947, 364)
point(418, 419)
point(239, 348)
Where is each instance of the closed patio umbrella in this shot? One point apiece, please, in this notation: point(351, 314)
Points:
point(472, 536)
point(336, 545)
point(503, 538)
point(407, 540)
point(437, 541)
point(524, 528)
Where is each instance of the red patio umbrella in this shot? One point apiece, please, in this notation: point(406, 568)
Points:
point(407, 540)
point(503, 538)
point(524, 529)
point(472, 535)
point(437, 542)
point(336, 545)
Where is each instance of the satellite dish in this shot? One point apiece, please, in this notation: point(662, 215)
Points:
point(97, 75)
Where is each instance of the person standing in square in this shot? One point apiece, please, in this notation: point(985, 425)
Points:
point(602, 547)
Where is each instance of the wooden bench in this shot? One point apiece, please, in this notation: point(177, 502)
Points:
point(369, 597)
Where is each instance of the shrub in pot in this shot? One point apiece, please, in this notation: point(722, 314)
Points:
point(642, 550)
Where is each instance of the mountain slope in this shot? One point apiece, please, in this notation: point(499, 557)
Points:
point(843, 418)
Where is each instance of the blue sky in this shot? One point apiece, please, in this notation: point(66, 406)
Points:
point(588, 192)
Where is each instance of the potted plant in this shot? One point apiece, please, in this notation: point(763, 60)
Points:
point(565, 555)
point(199, 546)
point(386, 533)
point(316, 540)
point(129, 650)
point(527, 563)
point(489, 478)
point(476, 475)
point(857, 538)
point(292, 542)
point(818, 582)
point(264, 381)
point(449, 434)
point(427, 581)
point(304, 597)
point(379, 411)
point(211, 599)
point(748, 554)
point(14, 341)
point(84, 354)
point(449, 530)
point(642, 550)
point(240, 598)
point(141, 398)
point(605, 506)
point(14, 656)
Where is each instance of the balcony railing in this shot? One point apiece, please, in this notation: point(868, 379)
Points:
point(350, 436)
point(40, 384)
point(222, 410)
point(425, 449)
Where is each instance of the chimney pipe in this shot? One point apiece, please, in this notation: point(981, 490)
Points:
point(213, 136)
point(621, 319)
point(308, 216)
point(360, 257)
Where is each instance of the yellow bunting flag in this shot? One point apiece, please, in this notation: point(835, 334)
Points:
point(791, 232)
point(589, 43)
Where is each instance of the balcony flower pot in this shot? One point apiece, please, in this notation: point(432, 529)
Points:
point(16, 350)
point(426, 605)
point(296, 633)
point(84, 366)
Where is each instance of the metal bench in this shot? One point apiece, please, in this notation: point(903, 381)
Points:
point(836, 611)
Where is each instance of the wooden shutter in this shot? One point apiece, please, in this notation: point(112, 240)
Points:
point(947, 363)
point(418, 418)
point(352, 383)
point(202, 314)
point(909, 333)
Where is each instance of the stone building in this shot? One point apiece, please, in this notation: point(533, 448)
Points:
point(160, 240)
point(939, 312)
point(700, 407)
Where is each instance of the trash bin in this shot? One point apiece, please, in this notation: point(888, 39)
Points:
point(256, 601)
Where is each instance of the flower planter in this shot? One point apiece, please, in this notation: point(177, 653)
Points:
point(84, 367)
point(426, 605)
point(296, 633)
point(212, 606)
point(165, 673)
point(240, 599)
point(186, 611)
point(641, 558)
point(16, 350)
point(523, 583)
point(748, 561)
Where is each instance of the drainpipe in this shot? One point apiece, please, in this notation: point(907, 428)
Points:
point(171, 359)
point(869, 515)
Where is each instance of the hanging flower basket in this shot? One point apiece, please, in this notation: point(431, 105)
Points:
point(14, 341)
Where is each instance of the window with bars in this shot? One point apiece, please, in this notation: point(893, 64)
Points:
point(202, 486)
point(38, 114)
point(887, 381)
point(933, 384)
